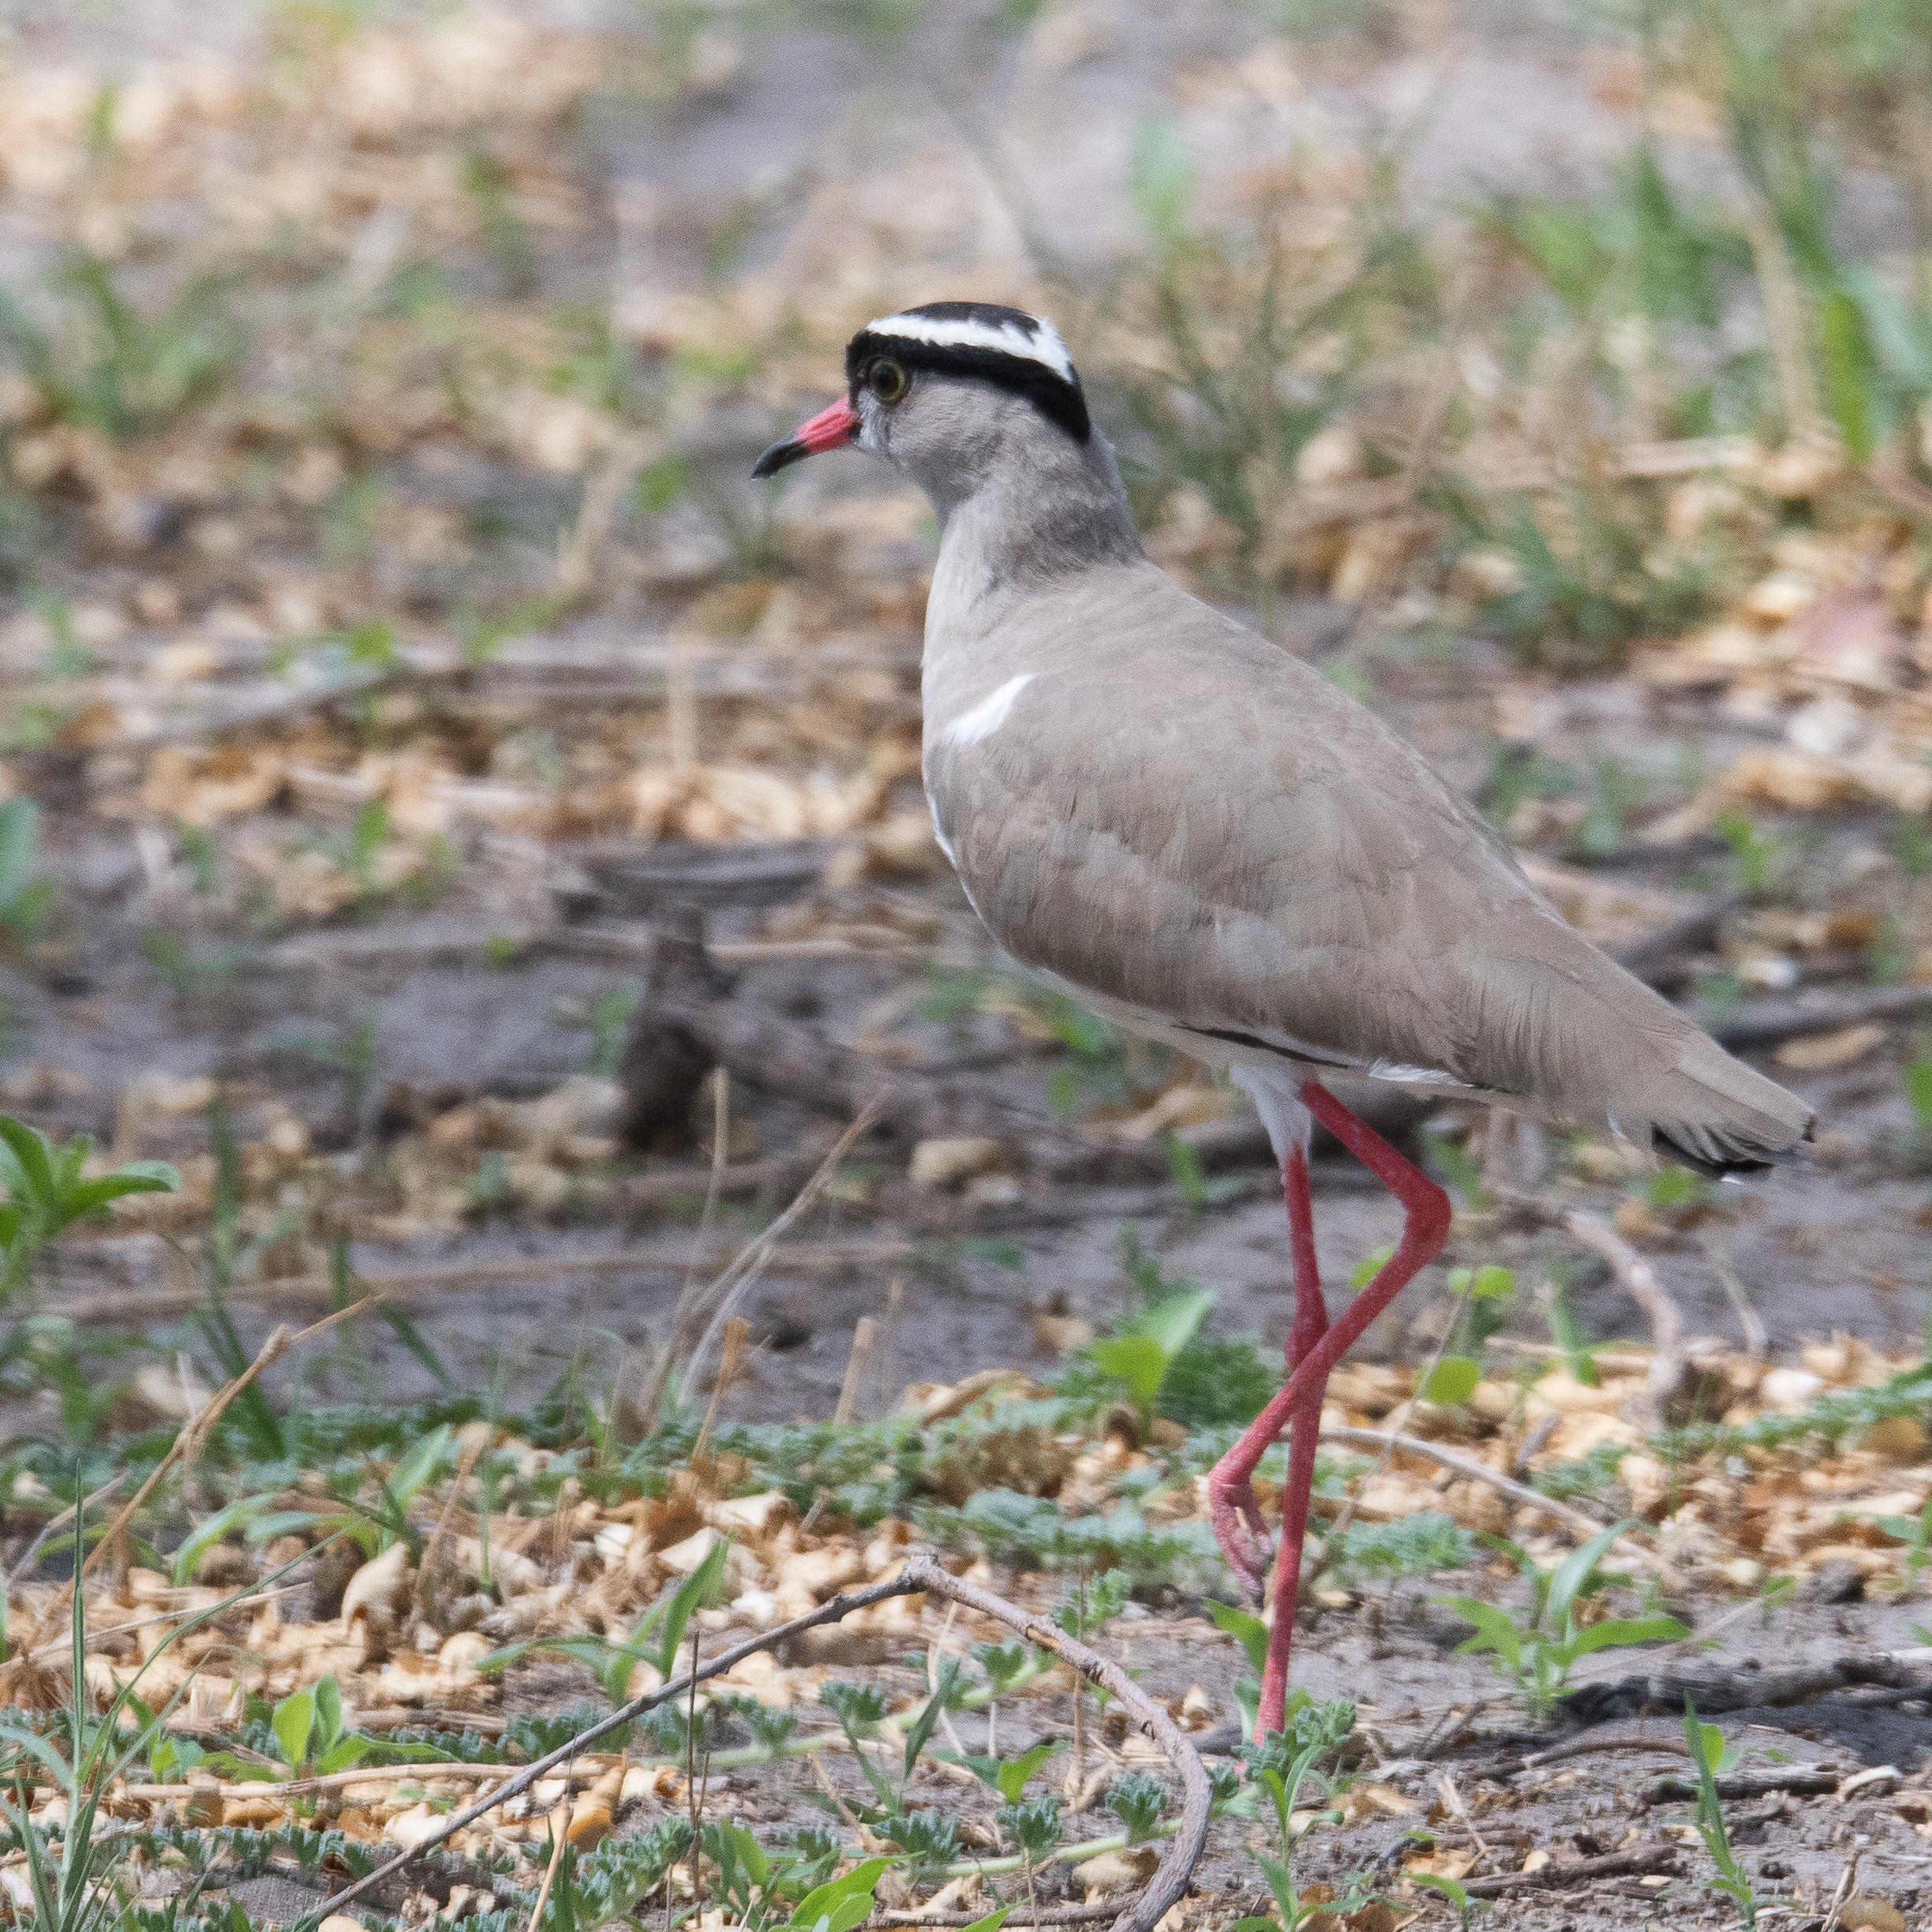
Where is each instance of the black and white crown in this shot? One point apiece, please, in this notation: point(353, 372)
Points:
point(1005, 346)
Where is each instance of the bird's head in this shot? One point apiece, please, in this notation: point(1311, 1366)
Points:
point(939, 389)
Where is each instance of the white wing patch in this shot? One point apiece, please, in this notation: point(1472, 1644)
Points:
point(1043, 346)
point(971, 727)
point(1395, 1070)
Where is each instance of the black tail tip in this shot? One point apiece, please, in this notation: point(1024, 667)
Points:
point(1722, 1160)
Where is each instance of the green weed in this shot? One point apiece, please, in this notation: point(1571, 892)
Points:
point(27, 896)
point(1259, 347)
point(1537, 1653)
point(1160, 1360)
point(1712, 1757)
point(1281, 1764)
point(48, 1190)
point(610, 1020)
point(1457, 1894)
point(94, 359)
point(654, 1640)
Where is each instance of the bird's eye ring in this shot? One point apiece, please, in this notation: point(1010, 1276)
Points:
point(888, 381)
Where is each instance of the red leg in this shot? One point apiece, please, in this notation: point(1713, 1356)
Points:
point(1311, 1319)
point(1316, 1348)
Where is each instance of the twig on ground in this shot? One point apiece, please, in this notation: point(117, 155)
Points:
point(1169, 1880)
point(737, 1334)
point(559, 1831)
point(865, 1332)
point(1756, 1340)
point(1635, 1276)
point(187, 1445)
point(690, 1296)
point(922, 1574)
point(1637, 1859)
point(1805, 1781)
point(1842, 1892)
point(1567, 1514)
point(1635, 1735)
point(61, 1521)
point(1054, 1914)
point(731, 1287)
point(1776, 1021)
point(1453, 1798)
point(579, 548)
point(1447, 1728)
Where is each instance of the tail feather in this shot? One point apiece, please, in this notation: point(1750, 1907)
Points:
point(1720, 1117)
point(1714, 1155)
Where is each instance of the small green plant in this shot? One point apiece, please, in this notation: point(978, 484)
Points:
point(1621, 794)
point(1565, 1331)
point(1914, 1533)
point(1574, 571)
point(1413, 1545)
point(26, 896)
point(1280, 1764)
point(349, 1051)
point(1139, 1801)
point(1917, 1076)
point(1711, 1758)
point(1092, 1604)
point(1518, 774)
point(1761, 859)
point(1252, 1634)
point(1158, 1357)
point(1032, 1826)
point(77, 1871)
point(1009, 1777)
point(1483, 1292)
point(192, 973)
point(1538, 1654)
point(1140, 1356)
point(310, 1734)
point(48, 1190)
point(1460, 1168)
point(1457, 1894)
point(381, 1522)
point(98, 361)
point(610, 1020)
point(860, 1709)
point(654, 1640)
point(761, 1891)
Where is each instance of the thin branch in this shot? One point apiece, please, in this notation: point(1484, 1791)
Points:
point(905, 1584)
point(1572, 1517)
point(1637, 1278)
point(60, 1522)
point(731, 1287)
point(922, 1574)
point(187, 1445)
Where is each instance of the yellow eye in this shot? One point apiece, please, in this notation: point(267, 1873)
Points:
point(888, 382)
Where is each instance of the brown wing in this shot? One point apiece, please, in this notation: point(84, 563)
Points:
point(1195, 824)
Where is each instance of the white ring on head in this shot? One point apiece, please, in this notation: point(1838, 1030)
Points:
point(1043, 346)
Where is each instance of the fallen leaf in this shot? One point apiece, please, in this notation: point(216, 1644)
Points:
point(1830, 1050)
point(1124, 1870)
point(1864, 1912)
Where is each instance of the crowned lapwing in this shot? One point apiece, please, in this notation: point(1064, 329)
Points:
point(1183, 827)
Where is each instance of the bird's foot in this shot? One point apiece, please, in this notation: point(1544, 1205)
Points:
point(1235, 1516)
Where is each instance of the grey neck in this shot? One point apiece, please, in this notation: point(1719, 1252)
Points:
point(1028, 507)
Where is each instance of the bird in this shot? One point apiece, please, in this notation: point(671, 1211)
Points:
point(1164, 815)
